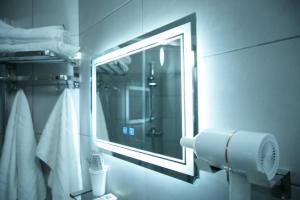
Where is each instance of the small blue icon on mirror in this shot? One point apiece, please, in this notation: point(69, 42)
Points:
point(131, 131)
point(125, 130)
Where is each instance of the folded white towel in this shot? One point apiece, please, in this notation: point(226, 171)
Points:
point(20, 172)
point(59, 148)
point(53, 38)
point(12, 34)
point(66, 39)
point(5, 25)
point(58, 47)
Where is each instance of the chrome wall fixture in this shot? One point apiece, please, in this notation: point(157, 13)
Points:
point(42, 57)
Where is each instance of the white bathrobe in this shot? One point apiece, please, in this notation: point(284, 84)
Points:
point(59, 148)
point(20, 172)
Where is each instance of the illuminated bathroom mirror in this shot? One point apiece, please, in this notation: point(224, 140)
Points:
point(143, 96)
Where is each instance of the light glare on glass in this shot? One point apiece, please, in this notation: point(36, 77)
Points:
point(162, 56)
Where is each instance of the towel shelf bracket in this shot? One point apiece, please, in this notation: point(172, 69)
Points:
point(44, 56)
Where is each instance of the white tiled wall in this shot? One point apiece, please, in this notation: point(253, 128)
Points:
point(248, 79)
point(243, 86)
point(226, 25)
point(17, 13)
point(33, 13)
point(259, 92)
point(90, 15)
point(129, 28)
point(57, 12)
point(2, 110)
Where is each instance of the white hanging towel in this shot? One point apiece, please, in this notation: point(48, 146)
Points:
point(59, 148)
point(101, 123)
point(20, 172)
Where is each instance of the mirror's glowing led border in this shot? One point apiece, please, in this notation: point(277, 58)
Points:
point(186, 165)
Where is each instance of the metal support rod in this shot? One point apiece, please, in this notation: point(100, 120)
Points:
point(61, 78)
point(239, 187)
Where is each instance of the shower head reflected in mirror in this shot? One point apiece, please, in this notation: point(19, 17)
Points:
point(151, 78)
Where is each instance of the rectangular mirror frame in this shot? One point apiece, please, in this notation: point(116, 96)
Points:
point(188, 91)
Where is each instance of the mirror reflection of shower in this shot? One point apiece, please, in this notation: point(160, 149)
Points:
point(106, 91)
point(141, 99)
point(152, 83)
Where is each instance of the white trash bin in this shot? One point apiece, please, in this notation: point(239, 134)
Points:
point(98, 180)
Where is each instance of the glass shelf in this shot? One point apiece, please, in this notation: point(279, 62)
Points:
point(87, 194)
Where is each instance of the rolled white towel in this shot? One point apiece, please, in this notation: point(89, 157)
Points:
point(115, 68)
point(123, 63)
point(107, 69)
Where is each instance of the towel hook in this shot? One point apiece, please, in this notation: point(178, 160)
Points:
point(13, 86)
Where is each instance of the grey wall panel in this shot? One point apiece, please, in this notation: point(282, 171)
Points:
point(129, 182)
point(163, 187)
point(253, 89)
point(126, 180)
point(120, 27)
point(94, 11)
point(257, 90)
point(295, 191)
point(85, 108)
point(29, 13)
point(34, 13)
point(226, 25)
point(85, 144)
point(57, 12)
point(45, 97)
point(17, 13)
